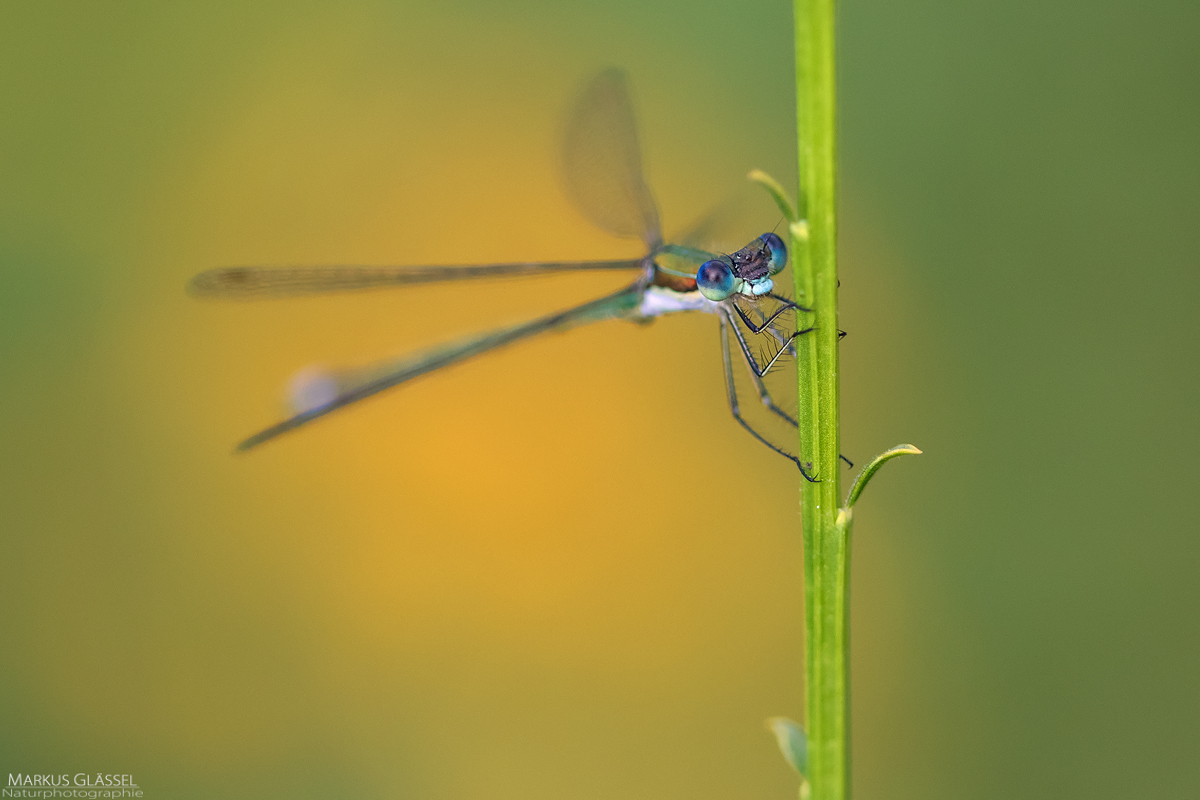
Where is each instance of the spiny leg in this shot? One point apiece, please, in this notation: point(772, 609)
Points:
point(785, 342)
point(790, 303)
point(785, 306)
point(731, 390)
point(750, 359)
point(765, 395)
point(760, 386)
point(756, 374)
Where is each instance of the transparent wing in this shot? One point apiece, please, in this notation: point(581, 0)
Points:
point(711, 231)
point(744, 213)
point(603, 161)
point(254, 282)
point(320, 394)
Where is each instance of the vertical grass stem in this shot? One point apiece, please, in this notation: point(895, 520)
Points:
point(826, 539)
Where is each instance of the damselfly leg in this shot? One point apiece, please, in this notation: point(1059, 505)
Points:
point(731, 392)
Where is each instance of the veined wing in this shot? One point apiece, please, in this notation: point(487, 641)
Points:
point(603, 161)
point(256, 282)
point(729, 224)
point(340, 390)
point(705, 231)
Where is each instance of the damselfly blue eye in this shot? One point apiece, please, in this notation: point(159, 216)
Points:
point(778, 252)
point(715, 280)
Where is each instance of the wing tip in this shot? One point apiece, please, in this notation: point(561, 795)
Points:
point(224, 282)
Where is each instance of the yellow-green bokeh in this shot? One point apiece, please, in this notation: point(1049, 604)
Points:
point(562, 570)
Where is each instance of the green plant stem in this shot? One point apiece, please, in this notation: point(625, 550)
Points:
point(826, 542)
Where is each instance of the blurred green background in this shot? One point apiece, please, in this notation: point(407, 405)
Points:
point(502, 582)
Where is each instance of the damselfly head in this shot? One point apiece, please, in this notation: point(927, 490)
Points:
point(755, 263)
point(762, 258)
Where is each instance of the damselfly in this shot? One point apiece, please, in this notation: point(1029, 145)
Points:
point(604, 177)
